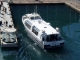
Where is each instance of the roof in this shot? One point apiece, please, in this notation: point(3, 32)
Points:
point(32, 14)
point(43, 26)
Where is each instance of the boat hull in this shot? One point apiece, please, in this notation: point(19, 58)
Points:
point(29, 25)
point(34, 38)
point(41, 44)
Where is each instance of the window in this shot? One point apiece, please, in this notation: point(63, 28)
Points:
point(32, 18)
point(27, 25)
point(53, 37)
point(37, 17)
point(42, 38)
point(24, 17)
point(48, 38)
point(34, 30)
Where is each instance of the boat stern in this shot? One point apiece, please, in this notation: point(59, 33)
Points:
point(54, 44)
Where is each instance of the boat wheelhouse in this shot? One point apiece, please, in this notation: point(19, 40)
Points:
point(42, 32)
point(9, 38)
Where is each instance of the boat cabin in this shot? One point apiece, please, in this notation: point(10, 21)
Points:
point(33, 16)
point(42, 30)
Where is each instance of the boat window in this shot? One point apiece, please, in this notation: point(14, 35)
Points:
point(24, 17)
point(47, 38)
point(34, 30)
point(53, 37)
point(27, 25)
point(32, 18)
point(37, 17)
point(42, 38)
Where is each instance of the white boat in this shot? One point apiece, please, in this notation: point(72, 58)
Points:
point(42, 32)
point(9, 38)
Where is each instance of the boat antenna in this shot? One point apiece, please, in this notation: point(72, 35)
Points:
point(56, 14)
point(47, 12)
point(26, 8)
point(35, 10)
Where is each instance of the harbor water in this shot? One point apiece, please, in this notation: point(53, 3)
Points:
point(59, 15)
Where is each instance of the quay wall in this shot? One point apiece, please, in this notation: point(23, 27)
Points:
point(75, 4)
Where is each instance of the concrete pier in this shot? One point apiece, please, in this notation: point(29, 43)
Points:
point(74, 5)
point(6, 15)
point(7, 30)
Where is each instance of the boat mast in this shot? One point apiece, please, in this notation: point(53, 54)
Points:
point(35, 9)
point(26, 9)
point(56, 14)
point(47, 12)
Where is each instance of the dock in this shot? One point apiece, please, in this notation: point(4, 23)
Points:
point(5, 17)
point(7, 30)
point(75, 4)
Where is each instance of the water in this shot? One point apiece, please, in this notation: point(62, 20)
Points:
point(58, 15)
